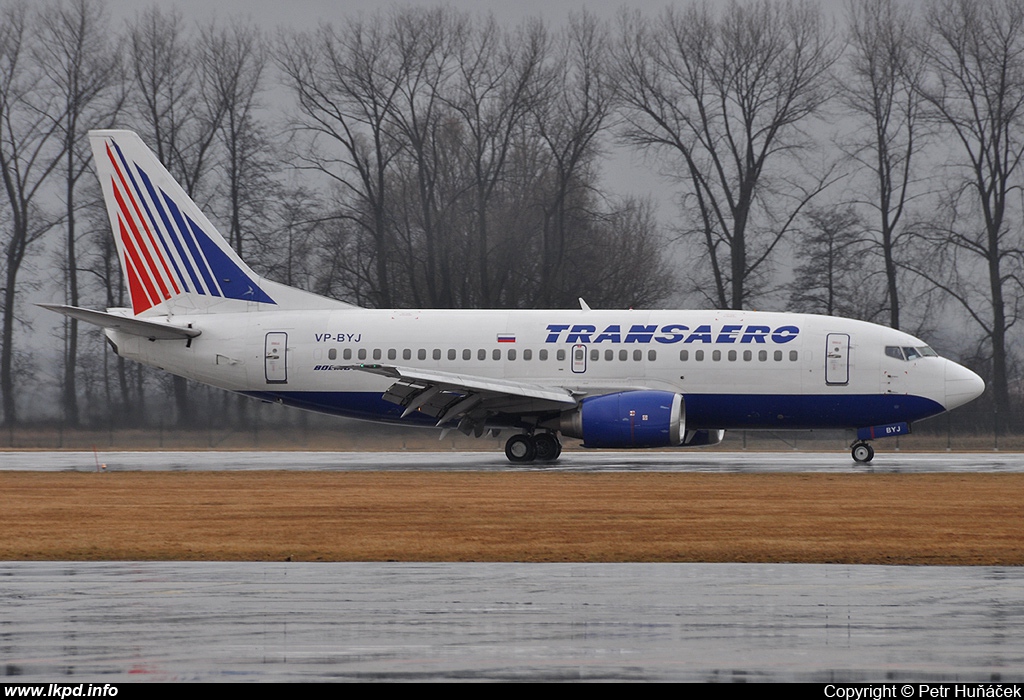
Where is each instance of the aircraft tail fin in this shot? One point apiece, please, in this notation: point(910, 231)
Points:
point(173, 257)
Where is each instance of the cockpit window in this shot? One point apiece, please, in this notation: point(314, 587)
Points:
point(909, 353)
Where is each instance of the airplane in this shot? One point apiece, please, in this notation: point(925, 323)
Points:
point(613, 379)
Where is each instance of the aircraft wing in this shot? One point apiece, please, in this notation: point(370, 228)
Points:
point(448, 396)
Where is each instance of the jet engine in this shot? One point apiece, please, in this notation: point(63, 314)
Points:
point(628, 419)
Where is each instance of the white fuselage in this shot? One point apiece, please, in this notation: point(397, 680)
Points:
point(735, 369)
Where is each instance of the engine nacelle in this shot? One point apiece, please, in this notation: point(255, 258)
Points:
point(702, 438)
point(628, 419)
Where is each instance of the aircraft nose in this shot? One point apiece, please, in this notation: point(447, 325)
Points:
point(962, 385)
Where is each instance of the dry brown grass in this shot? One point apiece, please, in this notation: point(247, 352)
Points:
point(527, 516)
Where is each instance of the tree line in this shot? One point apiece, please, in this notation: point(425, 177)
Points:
point(426, 157)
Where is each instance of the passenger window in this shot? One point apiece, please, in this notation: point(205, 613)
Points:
point(376, 354)
point(467, 354)
point(481, 354)
point(652, 355)
point(747, 355)
point(684, 355)
point(732, 356)
point(560, 355)
point(543, 355)
point(595, 355)
point(332, 354)
point(362, 353)
point(452, 354)
point(437, 353)
point(347, 353)
point(496, 354)
point(762, 355)
point(716, 355)
point(698, 355)
point(609, 355)
point(407, 354)
point(638, 355)
point(392, 353)
point(778, 356)
point(421, 354)
point(511, 354)
point(623, 355)
point(527, 355)
point(793, 355)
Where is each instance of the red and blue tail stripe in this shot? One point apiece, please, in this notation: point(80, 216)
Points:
point(165, 251)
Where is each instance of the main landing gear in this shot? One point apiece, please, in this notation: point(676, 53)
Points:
point(862, 452)
point(542, 447)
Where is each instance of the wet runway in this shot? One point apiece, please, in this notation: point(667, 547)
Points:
point(117, 622)
point(600, 461)
point(173, 621)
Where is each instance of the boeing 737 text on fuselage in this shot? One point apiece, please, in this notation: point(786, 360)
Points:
point(614, 379)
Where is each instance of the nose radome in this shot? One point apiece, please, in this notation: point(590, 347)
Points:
point(962, 385)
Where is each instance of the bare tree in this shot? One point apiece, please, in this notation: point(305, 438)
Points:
point(727, 93)
point(882, 88)
point(345, 82)
point(30, 151)
point(494, 88)
point(427, 41)
point(974, 87)
point(569, 118)
point(77, 58)
point(832, 277)
point(235, 58)
point(179, 110)
point(177, 106)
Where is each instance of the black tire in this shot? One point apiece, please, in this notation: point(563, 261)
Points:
point(520, 449)
point(547, 446)
point(863, 452)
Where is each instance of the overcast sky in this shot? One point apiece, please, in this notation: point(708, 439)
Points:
point(306, 13)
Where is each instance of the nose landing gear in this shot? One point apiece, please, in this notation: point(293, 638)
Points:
point(542, 447)
point(862, 452)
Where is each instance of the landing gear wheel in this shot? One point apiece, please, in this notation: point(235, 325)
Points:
point(548, 447)
point(863, 452)
point(520, 448)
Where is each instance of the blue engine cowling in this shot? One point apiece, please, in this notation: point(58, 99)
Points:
point(628, 419)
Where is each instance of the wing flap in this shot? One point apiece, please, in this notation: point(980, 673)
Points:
point(447, 396)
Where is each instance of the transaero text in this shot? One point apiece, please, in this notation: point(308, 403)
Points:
point(669, 333)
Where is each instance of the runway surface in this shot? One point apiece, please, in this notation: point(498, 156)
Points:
point(117, 622)
point(213, 621)
point(683, 461)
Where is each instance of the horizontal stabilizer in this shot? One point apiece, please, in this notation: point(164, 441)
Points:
point(150, 329)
